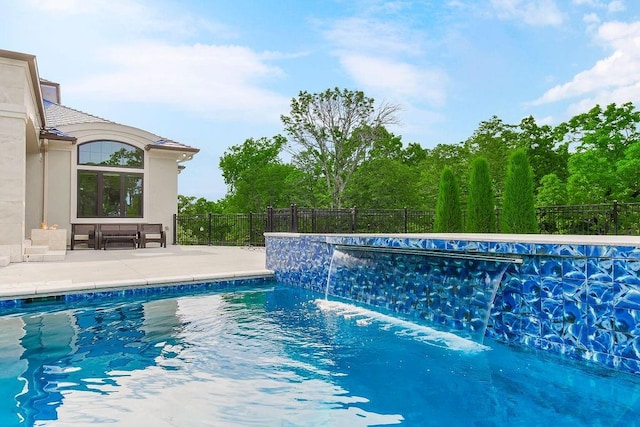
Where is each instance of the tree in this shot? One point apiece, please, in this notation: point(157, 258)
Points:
point(238, 160)
point(384, 184)
point(190, 205)
point(333, 132)
point(518, 210)
point(448, 217)
point(628, 171)
point(546, 150)
point(552, 191)
point(267, 186)
point(591, 178)
point(257, 178)
point(494, 140)
point(481, 215)
point(601, 138)
point(441, 156)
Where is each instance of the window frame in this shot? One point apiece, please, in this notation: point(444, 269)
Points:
point(100, 171)
point(106, 165)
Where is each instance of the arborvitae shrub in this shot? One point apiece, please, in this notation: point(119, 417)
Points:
point(518, 208)
point(448, 212)
point(481, 215)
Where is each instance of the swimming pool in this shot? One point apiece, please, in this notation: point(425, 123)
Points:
point(279, 356)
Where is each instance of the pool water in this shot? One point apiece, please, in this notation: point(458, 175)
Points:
point(281, 357)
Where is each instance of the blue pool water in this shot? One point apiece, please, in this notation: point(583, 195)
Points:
point(281, 357)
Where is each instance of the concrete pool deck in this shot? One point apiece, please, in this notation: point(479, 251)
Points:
point(86, 270)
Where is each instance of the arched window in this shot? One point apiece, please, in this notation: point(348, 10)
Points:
point(110, 178)
point(110, 153)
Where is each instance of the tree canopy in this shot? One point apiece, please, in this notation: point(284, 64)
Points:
point(341, 154)
point(333, 132)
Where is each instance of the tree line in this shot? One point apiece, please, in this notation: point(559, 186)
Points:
point(336, 152)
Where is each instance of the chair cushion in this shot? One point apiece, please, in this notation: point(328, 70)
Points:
point(153, 236)
point(81, 237)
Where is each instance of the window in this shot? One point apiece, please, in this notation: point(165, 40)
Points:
point(104, 189)
point(110, 153)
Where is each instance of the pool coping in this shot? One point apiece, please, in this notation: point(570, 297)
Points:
point(91, 271)
point(64, 287)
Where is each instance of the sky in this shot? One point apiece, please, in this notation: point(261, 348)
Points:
point(213, 73)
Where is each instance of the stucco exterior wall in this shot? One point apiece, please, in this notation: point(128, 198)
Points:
point(12, 184)
point(34, 192)
point(163, 188)
point(18, 128)
point(59, 189)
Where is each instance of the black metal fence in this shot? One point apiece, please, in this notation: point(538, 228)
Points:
point(248, 229)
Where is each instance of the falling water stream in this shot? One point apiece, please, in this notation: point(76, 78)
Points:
point(452, 290)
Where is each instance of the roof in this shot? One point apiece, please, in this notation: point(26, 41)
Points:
point(53, 133)
point(59, 115)
point(167, 144)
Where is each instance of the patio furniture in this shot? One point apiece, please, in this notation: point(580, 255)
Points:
point(152, 233)
point(84, 234)
point(112, 233)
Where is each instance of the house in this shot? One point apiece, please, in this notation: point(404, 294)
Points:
point(63, 166)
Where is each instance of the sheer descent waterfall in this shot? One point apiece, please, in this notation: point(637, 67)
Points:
point(454, 291)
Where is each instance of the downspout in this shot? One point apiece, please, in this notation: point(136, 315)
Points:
point(45, 181)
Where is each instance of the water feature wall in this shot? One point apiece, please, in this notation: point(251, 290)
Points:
point(573, 295)
point(453, 291)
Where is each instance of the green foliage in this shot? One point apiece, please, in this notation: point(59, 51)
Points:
point(190, 205)
point(333, 132)
point(481, 215)
point(601, 138)
point(518, 210)
point(546, 152)
point(448, 217)
point(591, 178)
point(552, 191)
point(437, 159)
point(273, 185)
point(383, 184)
point(493, 140)
point(253, 154)
point(628, 172)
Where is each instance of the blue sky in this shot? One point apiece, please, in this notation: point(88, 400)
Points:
point(213, 73)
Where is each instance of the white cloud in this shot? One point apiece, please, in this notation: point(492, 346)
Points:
point(534, 12)
point(124, 18)
point(367, 35)
point(616, 6)
point(612, 6)
point(591, 19)
point(387, 57)
point(403, 80)
point(218, 81)
point(612, 79)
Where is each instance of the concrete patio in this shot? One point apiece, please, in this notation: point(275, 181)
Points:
point(87, 269)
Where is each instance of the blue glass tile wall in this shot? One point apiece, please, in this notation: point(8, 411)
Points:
point(582, 301)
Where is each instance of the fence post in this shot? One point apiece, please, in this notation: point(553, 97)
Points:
point(175, 228)
point(614, 215)
point(250, 229)
point(209, 229)
point(406, 221)
point(294, 218)
point(269, 219)
point(354, 219)
point(313, 220)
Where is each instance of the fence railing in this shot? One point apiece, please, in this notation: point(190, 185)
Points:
point(248, 229)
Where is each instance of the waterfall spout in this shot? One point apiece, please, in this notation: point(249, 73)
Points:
point(451, 290)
